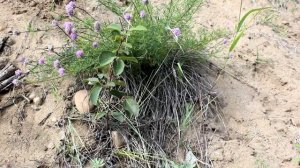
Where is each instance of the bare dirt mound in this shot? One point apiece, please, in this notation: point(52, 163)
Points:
point(260, 88)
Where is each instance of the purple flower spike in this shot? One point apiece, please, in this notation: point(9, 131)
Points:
point(97, 26)
point(42, 61)
point(95, 44)
point(56, 64)
point(61, 71)
point(70, 7)
point(18, 72)
point(16, 82)
point(142, 14)
point(145, 2)
point(69, 27)
point(176, 32)
point(127, 16)
point(79, 53)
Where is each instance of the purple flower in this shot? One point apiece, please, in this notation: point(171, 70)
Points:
point(79, 53)
point(73, 34)
point(231, 55)
point(18, 72)
point(16, 82)
point(176, 32)
point(145, 2)
point(70, 7)
point(61, 71)
point(69, 27)
point(24, 60)
point(54, 23)
point(95, 44)
point(56, 64)
point(142, 14)
point(127, 16)
point(42, 61)
point(97, 26)
point(225, 41)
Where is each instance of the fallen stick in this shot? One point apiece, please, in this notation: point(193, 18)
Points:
point(7, 71)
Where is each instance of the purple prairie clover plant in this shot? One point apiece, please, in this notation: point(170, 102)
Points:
point(16, 82)
point(70, 8)
point(18, 72)
point(142, 14)
point(56, 64)
point(127, 16)
point(41, 61)
point(95, 44)
point(145, 2)
point(176, 32)
point(79, 53)
point(97, 26)
point(61, 71)
point(69, 27)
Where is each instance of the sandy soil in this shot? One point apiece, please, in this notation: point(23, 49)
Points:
point(260, 89)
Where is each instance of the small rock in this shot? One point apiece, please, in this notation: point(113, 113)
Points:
point(32, 96)
point(50, 145)
point(37, 101)
point(82, 101)
point(296, 122)
point(10, 42)
point(3, 27)
point(33, 4)
point(117, 139)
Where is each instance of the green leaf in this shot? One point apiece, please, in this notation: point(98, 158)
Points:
point(118, 67)
point(106, 58)
point(180, 71)
point(93, 81)
point(297, 146)
point(99, 115)
point(116, 27)
point(118, 116)
point(132, 107)
point(138, 28)
point(119, 82)
point(241, 22)
point(95, 94)
point(236, 40)
point(110, 84)
point(100, 76)
point(131, 59)
point(127, 45)
point(118, 94)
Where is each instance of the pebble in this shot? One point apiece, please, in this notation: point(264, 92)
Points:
point(32, 96)
point(82, 101)
point(37, 101)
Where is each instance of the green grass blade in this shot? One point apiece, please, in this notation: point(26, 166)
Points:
point(236, 40)
point(241, 22)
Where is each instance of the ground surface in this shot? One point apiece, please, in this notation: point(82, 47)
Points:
point(260, 89)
